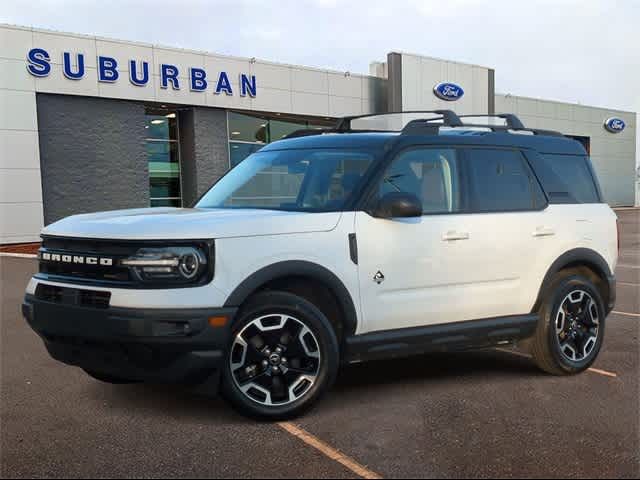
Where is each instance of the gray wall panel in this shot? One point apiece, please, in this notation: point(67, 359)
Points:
point(92, 155)
point(205, 150)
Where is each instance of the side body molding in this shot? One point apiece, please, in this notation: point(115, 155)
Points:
point(298, 268)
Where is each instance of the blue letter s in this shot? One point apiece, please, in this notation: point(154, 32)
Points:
point(39, 65)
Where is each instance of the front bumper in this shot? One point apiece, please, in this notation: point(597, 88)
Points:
point(149, 345)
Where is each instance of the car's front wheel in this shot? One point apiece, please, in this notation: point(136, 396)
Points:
point(283, 356)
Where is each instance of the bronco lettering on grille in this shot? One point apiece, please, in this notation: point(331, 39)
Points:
point(77, 259)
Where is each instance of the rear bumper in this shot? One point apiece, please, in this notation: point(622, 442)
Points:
point(150, 345)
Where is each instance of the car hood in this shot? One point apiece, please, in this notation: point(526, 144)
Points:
point(190, 223)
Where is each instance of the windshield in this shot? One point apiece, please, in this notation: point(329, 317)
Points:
point(319, 180)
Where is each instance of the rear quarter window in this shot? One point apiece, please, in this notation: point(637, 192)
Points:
point(566, 178)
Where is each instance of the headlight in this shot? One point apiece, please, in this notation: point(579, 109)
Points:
point(173, 265)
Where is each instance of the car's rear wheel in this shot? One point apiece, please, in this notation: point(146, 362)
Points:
point(571, 326)
point(282, 357)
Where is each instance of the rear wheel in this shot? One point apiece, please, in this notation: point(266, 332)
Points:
point(571, 326)
point(283, 356)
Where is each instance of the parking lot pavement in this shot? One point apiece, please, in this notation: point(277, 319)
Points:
point(481, 414)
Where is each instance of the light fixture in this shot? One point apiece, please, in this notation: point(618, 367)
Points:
point(170, 115)
point(157, 122)
point(235, 133)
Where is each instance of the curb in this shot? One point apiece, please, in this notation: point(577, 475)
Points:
point(17, 255)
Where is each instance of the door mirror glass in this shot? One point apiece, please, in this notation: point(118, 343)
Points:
point(398, 205)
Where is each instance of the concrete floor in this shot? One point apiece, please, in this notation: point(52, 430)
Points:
point(480, 414)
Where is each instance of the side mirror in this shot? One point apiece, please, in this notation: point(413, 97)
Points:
point(398, 205)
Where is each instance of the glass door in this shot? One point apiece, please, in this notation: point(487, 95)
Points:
point(163, 154)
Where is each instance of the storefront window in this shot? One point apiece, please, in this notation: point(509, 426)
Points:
point(164, 158)
point(249, 133)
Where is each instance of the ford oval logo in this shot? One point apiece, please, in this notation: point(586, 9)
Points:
point(448, 91)
point(615, 125)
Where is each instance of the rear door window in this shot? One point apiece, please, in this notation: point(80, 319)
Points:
point(566, 178)
point(501, 181)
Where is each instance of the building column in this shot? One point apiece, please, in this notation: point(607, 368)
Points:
point(204, 150)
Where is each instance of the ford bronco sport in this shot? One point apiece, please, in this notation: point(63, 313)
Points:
point(377, 238)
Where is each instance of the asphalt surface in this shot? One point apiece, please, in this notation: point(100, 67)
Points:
point(478, 414)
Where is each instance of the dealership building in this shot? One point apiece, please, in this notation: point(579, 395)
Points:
point(90, 124)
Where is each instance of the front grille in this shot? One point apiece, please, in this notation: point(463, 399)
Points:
point(76, 268)
point(73, 296)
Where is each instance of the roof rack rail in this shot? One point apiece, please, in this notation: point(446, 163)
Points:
point(448, 118)
point(430, 126)
point(512, 123)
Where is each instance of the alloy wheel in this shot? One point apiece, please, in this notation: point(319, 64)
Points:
point(577, 324)
point(275, 359)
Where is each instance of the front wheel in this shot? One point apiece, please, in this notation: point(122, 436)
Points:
point(570, 332)
point(283, 356)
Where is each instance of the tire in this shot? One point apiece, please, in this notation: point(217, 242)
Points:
point(108, 378)
point(571, 302)
point(283, 356)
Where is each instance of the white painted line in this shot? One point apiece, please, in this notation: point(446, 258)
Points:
point(628, 284)
point(627, 266)
point(328, 451)
point(17, 255)
point(592, 370)
point(626, 313)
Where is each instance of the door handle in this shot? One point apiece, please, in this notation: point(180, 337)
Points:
point(453, 235)
point(544, 232)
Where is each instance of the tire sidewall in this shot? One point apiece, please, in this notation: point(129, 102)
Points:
point(314, 319)
point(559, 293)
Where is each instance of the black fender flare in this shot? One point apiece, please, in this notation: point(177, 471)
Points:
point(584, 256)
point(298, 268)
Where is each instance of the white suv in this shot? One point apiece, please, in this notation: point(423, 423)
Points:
point(339, 246)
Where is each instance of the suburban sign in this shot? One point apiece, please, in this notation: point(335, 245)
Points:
point(448, 91)
point(109, 71)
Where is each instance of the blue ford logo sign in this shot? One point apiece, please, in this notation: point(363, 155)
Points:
point(448, 91)
point(614, 125)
